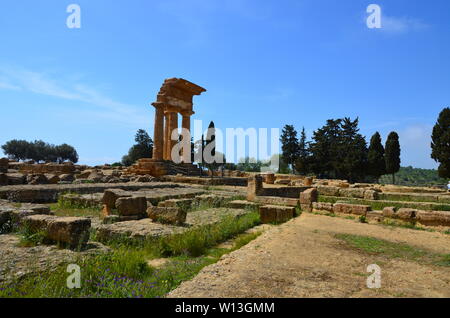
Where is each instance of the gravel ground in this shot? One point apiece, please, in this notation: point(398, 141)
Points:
point(302, 258)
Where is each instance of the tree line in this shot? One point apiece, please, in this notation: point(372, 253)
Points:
point(338, 151)
point(39, 151)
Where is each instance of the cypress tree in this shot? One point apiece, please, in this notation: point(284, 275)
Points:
point(375, 157)
point(440, 145)
point(392, 155)
point(289, 145)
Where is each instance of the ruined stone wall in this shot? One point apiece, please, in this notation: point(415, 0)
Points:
point(53, 168)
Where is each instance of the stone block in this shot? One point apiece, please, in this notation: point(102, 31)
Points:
point(352, 193)
point(328, 190)
point(184, 204)
point(170, 215)
point(351, 208)
point(242, 204)
point(275, 213)
point(254, 187)
point(433, 218)
point(3, 179)
point(270, 178)
point(406, 214)
point(131, 206)
point(52, 178)
point(322, 206)
point(389, 212)
point(73, 231)
point(110, 197)
point(370, 195)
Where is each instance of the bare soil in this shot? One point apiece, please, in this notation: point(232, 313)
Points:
point(303, 258)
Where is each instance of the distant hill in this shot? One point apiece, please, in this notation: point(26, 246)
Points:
point(410, 176)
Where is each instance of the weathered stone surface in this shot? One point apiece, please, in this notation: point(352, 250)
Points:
point(308, 181)
point(3, 179)
point(17, 261)
point(52, 178)
point(131, 206)
point(389, 212)
point(352, 193)
point(146, 178)
point(110, 197)
point(375, 216)
point(275, 213)
point(277, 201)
point(37, 179)
point(322, 206)
point(211, 200)
point(328, 190)
point(4, 162)
point(146, 228)
point(270, 178)
point(169, 215)
point(16, 178)
point(53, 168)
point(406, 214)
point(183, 204)
point(93, 200)
point(307, 198)
point(5, 220)
point(283, 181)
point(67, 178)
point(370, 195)
point(433, 218)
point(73, 231)
point(254, 187)
point(351, 208)
point(242, 204)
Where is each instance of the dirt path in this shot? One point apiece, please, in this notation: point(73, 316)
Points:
point(302, 258)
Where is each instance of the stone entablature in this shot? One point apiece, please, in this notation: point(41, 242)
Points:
point(175, 97)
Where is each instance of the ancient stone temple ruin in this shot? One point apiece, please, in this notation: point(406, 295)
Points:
point(175, 97)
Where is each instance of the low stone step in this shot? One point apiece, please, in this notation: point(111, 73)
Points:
point(242, 204)
point(73, 231)
point(276, 214)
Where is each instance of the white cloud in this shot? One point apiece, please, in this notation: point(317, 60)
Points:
point(45, 84)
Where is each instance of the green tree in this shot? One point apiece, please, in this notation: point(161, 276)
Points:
point(324, 149)
point(302, 162)
point(249, 165)
point(17, 149)
point(289, 146)
point(440, 145)
point(66, 152)
point(39, 151)
point(142, 149)
point(209, 151)
point(375, 157)
point(351, 162)
point(392, 154)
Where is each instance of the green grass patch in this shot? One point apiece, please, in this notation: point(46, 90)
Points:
point(197, 240)
point(244, 239)
point(406, 225)
point(29, 238)
point(121, 274)
point(124, 272)
point(394, 250)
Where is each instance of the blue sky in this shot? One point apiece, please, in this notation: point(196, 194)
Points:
point(265, 63)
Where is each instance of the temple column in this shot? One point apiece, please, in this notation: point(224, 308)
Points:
point(186, 124)
point(173, 125)
point(166, 137)
point(158, 132)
